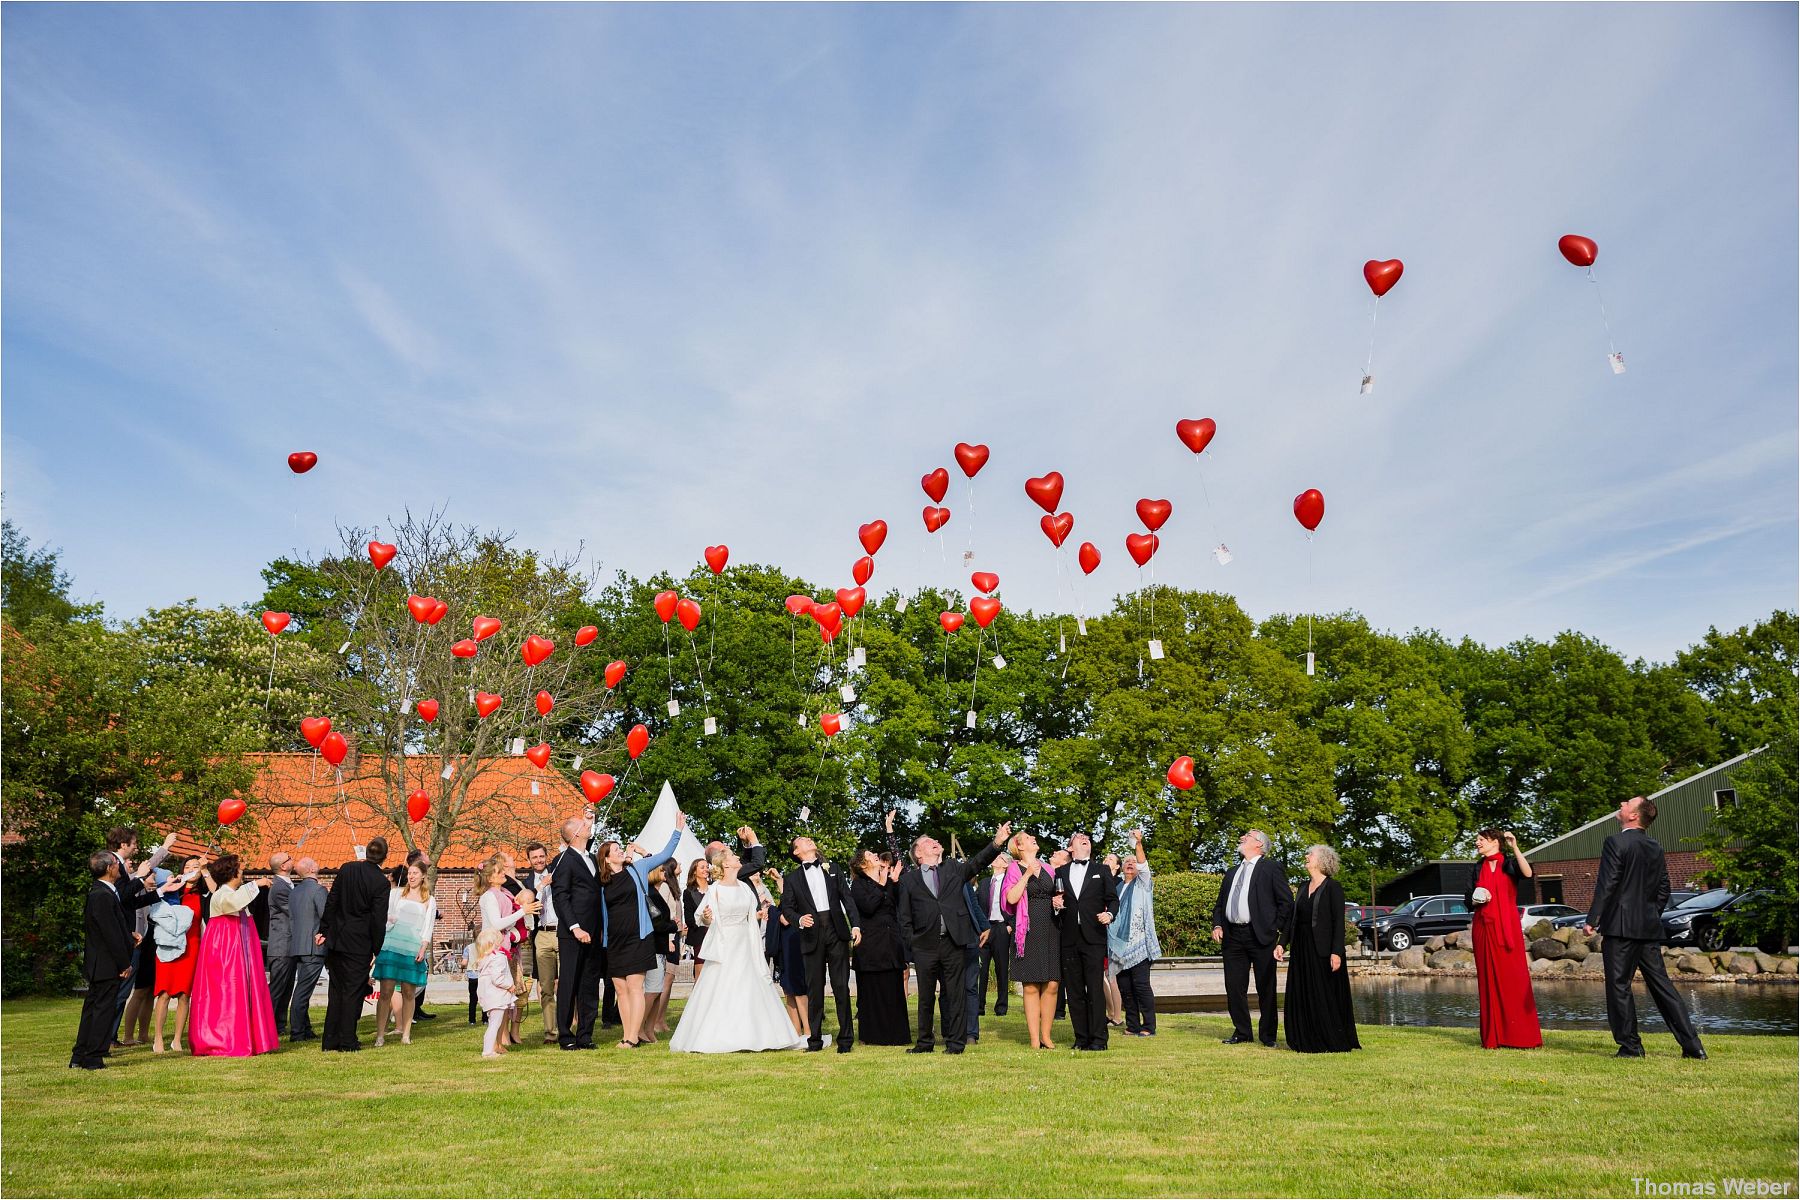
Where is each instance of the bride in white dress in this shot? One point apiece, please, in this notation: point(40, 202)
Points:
point(733, 1006)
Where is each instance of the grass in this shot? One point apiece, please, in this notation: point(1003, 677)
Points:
point(1417, 1112)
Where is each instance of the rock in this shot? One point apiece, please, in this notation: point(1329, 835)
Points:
point(1593, 943)
point(1694, 964)
point(1452, 960)
point(1410, 959)
point(1462, 939)
point(1741, 964)
point(1566, 934)
point(1788, 966)
point(1576, 949)
point(1541, 966)
point(1766, 963)
point(1592, 968)
point(1434, 944)
point(1562, 966)
point(1539, 928)
point(1547, 948)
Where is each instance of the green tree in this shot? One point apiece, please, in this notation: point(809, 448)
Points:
point(33, 585)
point(1752, 842)
point(1747, 680)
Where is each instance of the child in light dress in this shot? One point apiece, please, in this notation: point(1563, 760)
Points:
point(494, 985)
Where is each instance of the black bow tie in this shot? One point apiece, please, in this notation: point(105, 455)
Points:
point(1078, 862)
point(814, 865)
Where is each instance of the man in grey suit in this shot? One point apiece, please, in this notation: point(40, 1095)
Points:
point(280, 956)
point(305, 948)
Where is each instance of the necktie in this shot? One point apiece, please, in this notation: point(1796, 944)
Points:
point(1080, 862)
point(931, 879)
point(815, 865)
point(1240, 886)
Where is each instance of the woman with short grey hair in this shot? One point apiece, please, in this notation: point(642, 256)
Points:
point(1131, 942)
point(1319, 1015)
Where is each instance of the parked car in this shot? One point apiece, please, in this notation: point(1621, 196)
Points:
point(1417, 919)
point(1677, 899)
point(1714, 920)
point(1531, 914)
point(1354, 913)
point(1579, 919)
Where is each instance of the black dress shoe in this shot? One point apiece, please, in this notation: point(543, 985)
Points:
point(1237, 1039)
point(1696, 1052)
point(1625, 1053)
point(998, 1012)
point(1090, 1049)
point(953, 1049)
point(1268, 1041)
point(844, 1048)
point(920, 1049)
point(814, 1049)
point(422, 1015)
point(567, 1046)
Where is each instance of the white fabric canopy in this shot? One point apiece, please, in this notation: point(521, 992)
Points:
point(658, 828)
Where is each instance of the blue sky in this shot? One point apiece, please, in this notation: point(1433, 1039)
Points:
point(643, 279)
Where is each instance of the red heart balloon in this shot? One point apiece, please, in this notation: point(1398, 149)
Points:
point(438, 609)
point(275, 622)
point(935, 518)
point(485, 628)
point(1181, 772)
point(716, 557)
point(586, 634)
point(1580, 251)
point(467, 648)
point(829, 616)
point(872, 535)
point(951, 621)
point(1153, 513)
point(230, 810)
point(936, 483)
point(688, 612)
point(536, 649)
point(799, 606)
point(1057, 527)
point(1046, 490)
point(314, 729)
point(984, 609)
point(1309, 508)
point(597, 787)
point(428, 710)
point(302, 461)
point(861, 569)
point(665, 605)
point(1382, 276)
point(382, 553)
point(637, 740)
point(1089, 558)
point(985, 581)
point(420, 607)
point(334, 748)
point(971, 458)
point(830, 723)
point(539, 755)
point(486, 703)
point(545, 702)
point(851, 600)
point(1140, 546)
point(417, 805)
point(615, 671)
point(1196, 435)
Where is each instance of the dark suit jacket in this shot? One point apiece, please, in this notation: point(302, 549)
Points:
point(108, 949)
point(355, 917)
point(1631, 888)
point(920, 911)
point(1270, 901)
point(984, 898)
point(1327, 919)
point(1080, 914)
point(797, 902)
point(575, 891)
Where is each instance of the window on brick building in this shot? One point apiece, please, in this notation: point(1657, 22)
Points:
point(1724, 798)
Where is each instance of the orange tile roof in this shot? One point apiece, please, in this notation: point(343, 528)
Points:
point(294, 805)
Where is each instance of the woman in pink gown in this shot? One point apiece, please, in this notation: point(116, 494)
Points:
point(231, 1013)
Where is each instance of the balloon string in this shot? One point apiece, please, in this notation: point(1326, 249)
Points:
point(274, 649)
point(700, 675)
point(1611, 349)
point(969, 492)
point(669, 660)
point(976, 679)
point(1374, 312)
point(712, 626)
point(1206, 494)
point(1312, 599)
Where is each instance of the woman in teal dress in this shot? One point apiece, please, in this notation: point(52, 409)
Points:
point(405, 954)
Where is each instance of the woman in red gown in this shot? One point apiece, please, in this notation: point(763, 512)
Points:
point(1502, 966)
point(176, 976)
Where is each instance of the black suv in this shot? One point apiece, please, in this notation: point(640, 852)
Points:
point(1417, 919)
point(1717, 919)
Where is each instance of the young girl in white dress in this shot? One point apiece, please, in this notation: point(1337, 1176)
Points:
point(733, 1006)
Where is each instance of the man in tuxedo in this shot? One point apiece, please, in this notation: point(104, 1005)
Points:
point(972, 973)
point(575, 898)
point(135, 895)
point(1250, 923)
point(997, 951)
point(1087, 899)
point(278, 952)
point(817, 900)
point(935, 922)
point(1631, 889)
point(106, 962)
point(353, 926)
point(306, 908)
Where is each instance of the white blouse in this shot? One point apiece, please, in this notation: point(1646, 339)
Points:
point(421, 917)
point(490, 914)
point(228, 900)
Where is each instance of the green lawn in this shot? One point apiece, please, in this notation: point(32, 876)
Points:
point(1179, 1114)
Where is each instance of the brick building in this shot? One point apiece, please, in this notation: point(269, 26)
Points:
point(1564, 867)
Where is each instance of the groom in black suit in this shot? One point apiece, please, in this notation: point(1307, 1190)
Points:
point(353, 926)
point(575, 895)
point(106, 961)
point(1086, 901)
point(1631, 889)
point(1250, 923)
point(934, 921)
point(817, 900)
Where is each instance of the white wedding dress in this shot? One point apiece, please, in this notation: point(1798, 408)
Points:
point(734, 1006)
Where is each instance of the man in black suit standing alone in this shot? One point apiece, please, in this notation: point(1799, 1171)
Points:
point(1087, 897)
point(817, 900)
point(575, 897)
point(1250, 923)
point(354, 924)
point(935, 922)
point(106, 962)
point(1631, 889)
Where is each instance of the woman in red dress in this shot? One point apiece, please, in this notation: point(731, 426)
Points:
point(1502, 966)
point(175, 977)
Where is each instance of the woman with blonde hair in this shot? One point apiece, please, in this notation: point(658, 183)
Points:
point(733, 1007)
point(412, 916)
point(505, 916)
point(1037, 949)
point(1319, 1016)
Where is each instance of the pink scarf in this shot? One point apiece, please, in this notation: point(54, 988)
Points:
point(1020, 912)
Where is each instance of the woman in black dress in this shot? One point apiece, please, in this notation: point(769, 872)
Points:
point(698, 880)
point(1319, 1018)
point(626, 924)
point(1037, 948)
point(880, 959)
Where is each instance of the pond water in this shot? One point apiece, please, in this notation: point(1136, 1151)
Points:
point(1576, 1004)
